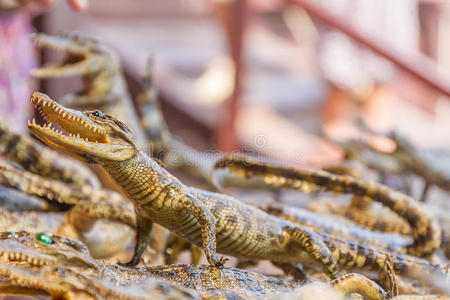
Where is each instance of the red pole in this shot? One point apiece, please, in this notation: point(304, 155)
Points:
point(419, 66)
point(232, 16)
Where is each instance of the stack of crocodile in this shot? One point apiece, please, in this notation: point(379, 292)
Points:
point(63, 229)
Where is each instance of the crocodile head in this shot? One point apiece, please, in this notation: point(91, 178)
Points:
point(39, 249)
point(90, 136)
point(84, 55)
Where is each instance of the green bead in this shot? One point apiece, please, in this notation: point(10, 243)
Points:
point(42, 237)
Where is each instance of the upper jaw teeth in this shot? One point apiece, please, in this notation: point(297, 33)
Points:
point(41, 102)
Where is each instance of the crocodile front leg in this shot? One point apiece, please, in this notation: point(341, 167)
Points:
point(143, 236)
point(208, 224)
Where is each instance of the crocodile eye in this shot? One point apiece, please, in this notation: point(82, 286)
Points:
point(98, 114)
point(42, 237)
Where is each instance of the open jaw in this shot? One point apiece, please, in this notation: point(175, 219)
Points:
point(76, 62)
point(66, 129)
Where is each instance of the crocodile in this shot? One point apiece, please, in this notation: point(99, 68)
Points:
point(100, 218)
point(405, 159)
point(355, 283)
point(14, 200)
point(361, 209)
point(33, 251)
point(331, 225)
point(58, 191)
point(62, 267)
point(337, 227)
point(36, 158)
point(36, 221)
point(104, 88)
point(64, 283)
point(362, 212)
point(425, 229)
point(203, 217)
point(197, 215)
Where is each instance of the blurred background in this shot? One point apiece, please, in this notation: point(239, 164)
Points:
point(278, 78)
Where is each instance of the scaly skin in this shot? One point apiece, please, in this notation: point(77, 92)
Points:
point(426, 230)
point(355, 256)
point(199, 216)
point(64, 283)
point(36, 221)
point(89, 219)
point(361, 210)
point(339, 228)
point(32, 156)
point(23, 249)
point(382, 219)
point(354, 283)
point(54, 263)
point(116, 207)
point(357, 284)
point(364, 255)
point(14, 200)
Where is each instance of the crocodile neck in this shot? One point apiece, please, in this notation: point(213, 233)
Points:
point(140, 176)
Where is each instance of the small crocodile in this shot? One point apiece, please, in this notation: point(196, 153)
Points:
point(362, 212)
point(36, 251)
point(405, 159)
point(14, 200)
point(104, 88)
point(205, 218)
point(426, 230)
point(32, 263)
point(113, 203)
point(197, 215)
point(94, 217)
point(65, 283)
point(361, 209)
point(33, 156)
point(330, 225)
point(340, 228)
